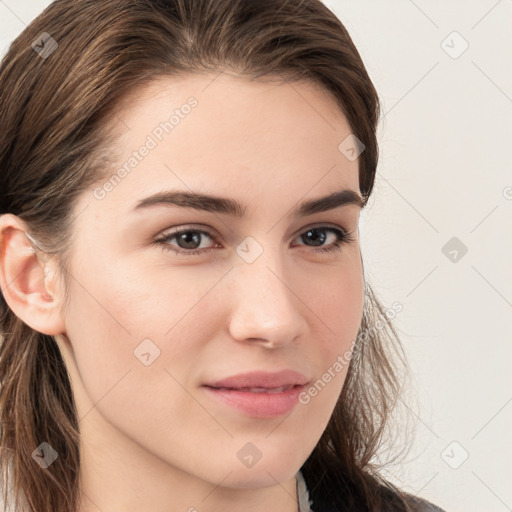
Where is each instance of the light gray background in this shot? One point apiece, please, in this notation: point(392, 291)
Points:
point(444, 172)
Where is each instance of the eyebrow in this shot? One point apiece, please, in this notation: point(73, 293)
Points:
point(232, 207)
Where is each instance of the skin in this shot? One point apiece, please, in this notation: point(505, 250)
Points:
point(151, 434)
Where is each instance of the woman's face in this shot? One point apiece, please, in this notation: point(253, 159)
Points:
point(225, 360)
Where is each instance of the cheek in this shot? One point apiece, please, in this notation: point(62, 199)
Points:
point(127, 324)
point(123, 322)
point(338, 307)
point(337, 299)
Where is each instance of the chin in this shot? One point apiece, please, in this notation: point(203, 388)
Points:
point(252, 468)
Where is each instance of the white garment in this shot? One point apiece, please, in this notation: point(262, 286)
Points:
point(302, 494)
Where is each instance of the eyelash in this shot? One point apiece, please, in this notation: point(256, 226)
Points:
point(342, 237)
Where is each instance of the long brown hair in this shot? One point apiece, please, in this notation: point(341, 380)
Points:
point(60, 82)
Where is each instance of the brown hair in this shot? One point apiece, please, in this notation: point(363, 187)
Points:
point(53, 146)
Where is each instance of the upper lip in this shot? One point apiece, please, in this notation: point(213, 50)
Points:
point(261, 379)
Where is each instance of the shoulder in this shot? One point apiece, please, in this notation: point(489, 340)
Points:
point(334, 491)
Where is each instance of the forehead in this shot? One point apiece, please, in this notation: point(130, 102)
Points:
point(228, 136)
point(230, 110)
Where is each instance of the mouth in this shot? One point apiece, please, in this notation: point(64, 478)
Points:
point(259, 394)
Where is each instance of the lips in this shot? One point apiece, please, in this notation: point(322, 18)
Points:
point(259, 394)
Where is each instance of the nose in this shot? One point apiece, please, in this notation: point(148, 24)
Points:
point(266, 309)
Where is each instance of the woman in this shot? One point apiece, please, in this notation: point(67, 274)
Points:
point(186, 324)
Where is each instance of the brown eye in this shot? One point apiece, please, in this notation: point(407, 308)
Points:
point(188, 241)
point(342, 237)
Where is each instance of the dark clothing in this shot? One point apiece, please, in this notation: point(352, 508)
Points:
point(321, 500)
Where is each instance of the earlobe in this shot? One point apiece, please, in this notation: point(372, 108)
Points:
point(26, 280)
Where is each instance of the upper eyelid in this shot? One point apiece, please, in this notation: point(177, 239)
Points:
point(179, 230)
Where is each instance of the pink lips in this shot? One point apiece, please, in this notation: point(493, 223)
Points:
point(260, 394)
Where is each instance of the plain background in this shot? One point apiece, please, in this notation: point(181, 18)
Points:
point(443, 178)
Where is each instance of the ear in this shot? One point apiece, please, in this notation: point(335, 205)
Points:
point(28, 283)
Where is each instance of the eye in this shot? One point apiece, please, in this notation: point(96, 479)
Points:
point(341, 237)
point(189, 240)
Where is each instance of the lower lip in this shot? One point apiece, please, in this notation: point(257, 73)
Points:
point(259, 405)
